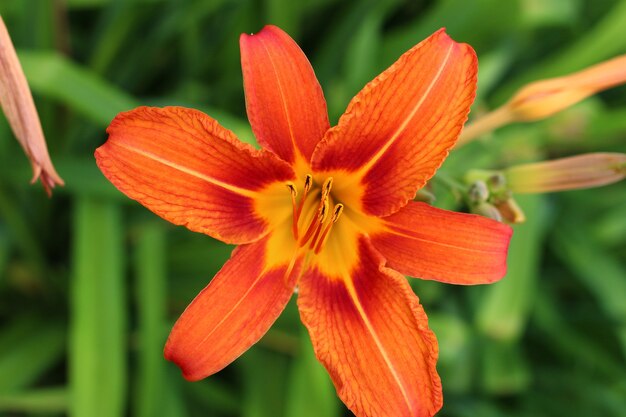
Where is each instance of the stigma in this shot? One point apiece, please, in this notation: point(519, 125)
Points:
point(312, 231)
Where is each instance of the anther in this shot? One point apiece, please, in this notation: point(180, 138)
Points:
point(294, 193)
point(337, 212)
point(308, 182)
point(328, 184)
point(292, 189)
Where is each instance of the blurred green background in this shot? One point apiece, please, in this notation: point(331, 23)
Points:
point(91, 282)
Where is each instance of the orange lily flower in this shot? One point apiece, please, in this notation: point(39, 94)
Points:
point(326, 210)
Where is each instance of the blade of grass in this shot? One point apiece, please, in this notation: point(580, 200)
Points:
point(98, 341)
point(46, 400)
point(150, 297)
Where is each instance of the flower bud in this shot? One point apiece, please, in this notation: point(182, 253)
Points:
point(478, 192)
point(487, 210)
point(544, 98)
point(510, 211)
point(576, 172)
point(19, 108)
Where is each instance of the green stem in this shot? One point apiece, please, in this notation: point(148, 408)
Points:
point(485, 124)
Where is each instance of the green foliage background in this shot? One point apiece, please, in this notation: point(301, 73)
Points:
point(91, 282)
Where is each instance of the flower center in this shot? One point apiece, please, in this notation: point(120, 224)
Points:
point(312, 222)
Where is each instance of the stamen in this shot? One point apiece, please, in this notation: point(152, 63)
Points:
point(316, 223)
point(320, 226)
point(336, 213)
point(308, 183)
point(322, 219)
point(328, 184)
point(294, 194)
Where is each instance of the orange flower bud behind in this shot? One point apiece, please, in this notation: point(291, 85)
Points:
point(19, 108)
point(547, 97)
point(576, 172)
point(544, 98)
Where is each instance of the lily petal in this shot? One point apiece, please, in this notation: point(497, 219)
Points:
point(398, 130)
point(185, 167)
point(457, 248)
point(284, 100)
point(232, 313)
point(371, 333)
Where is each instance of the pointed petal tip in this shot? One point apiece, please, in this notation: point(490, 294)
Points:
point(284, 101)
point(232, 313)
point(398, 130)
point(184, 370)
point(429, 243)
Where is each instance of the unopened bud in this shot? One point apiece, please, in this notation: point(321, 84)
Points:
point(544, 98)
point(19, 108)
point(478, 192)
point(547, 97)
point(496, 182)
point(576, 172)
point(487, 210)
point(510, 211)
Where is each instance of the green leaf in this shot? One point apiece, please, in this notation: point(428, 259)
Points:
point(52, 75)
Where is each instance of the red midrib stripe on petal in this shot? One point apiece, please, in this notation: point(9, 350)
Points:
point(357, 304)
point(230, 187)
point(366, 167)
